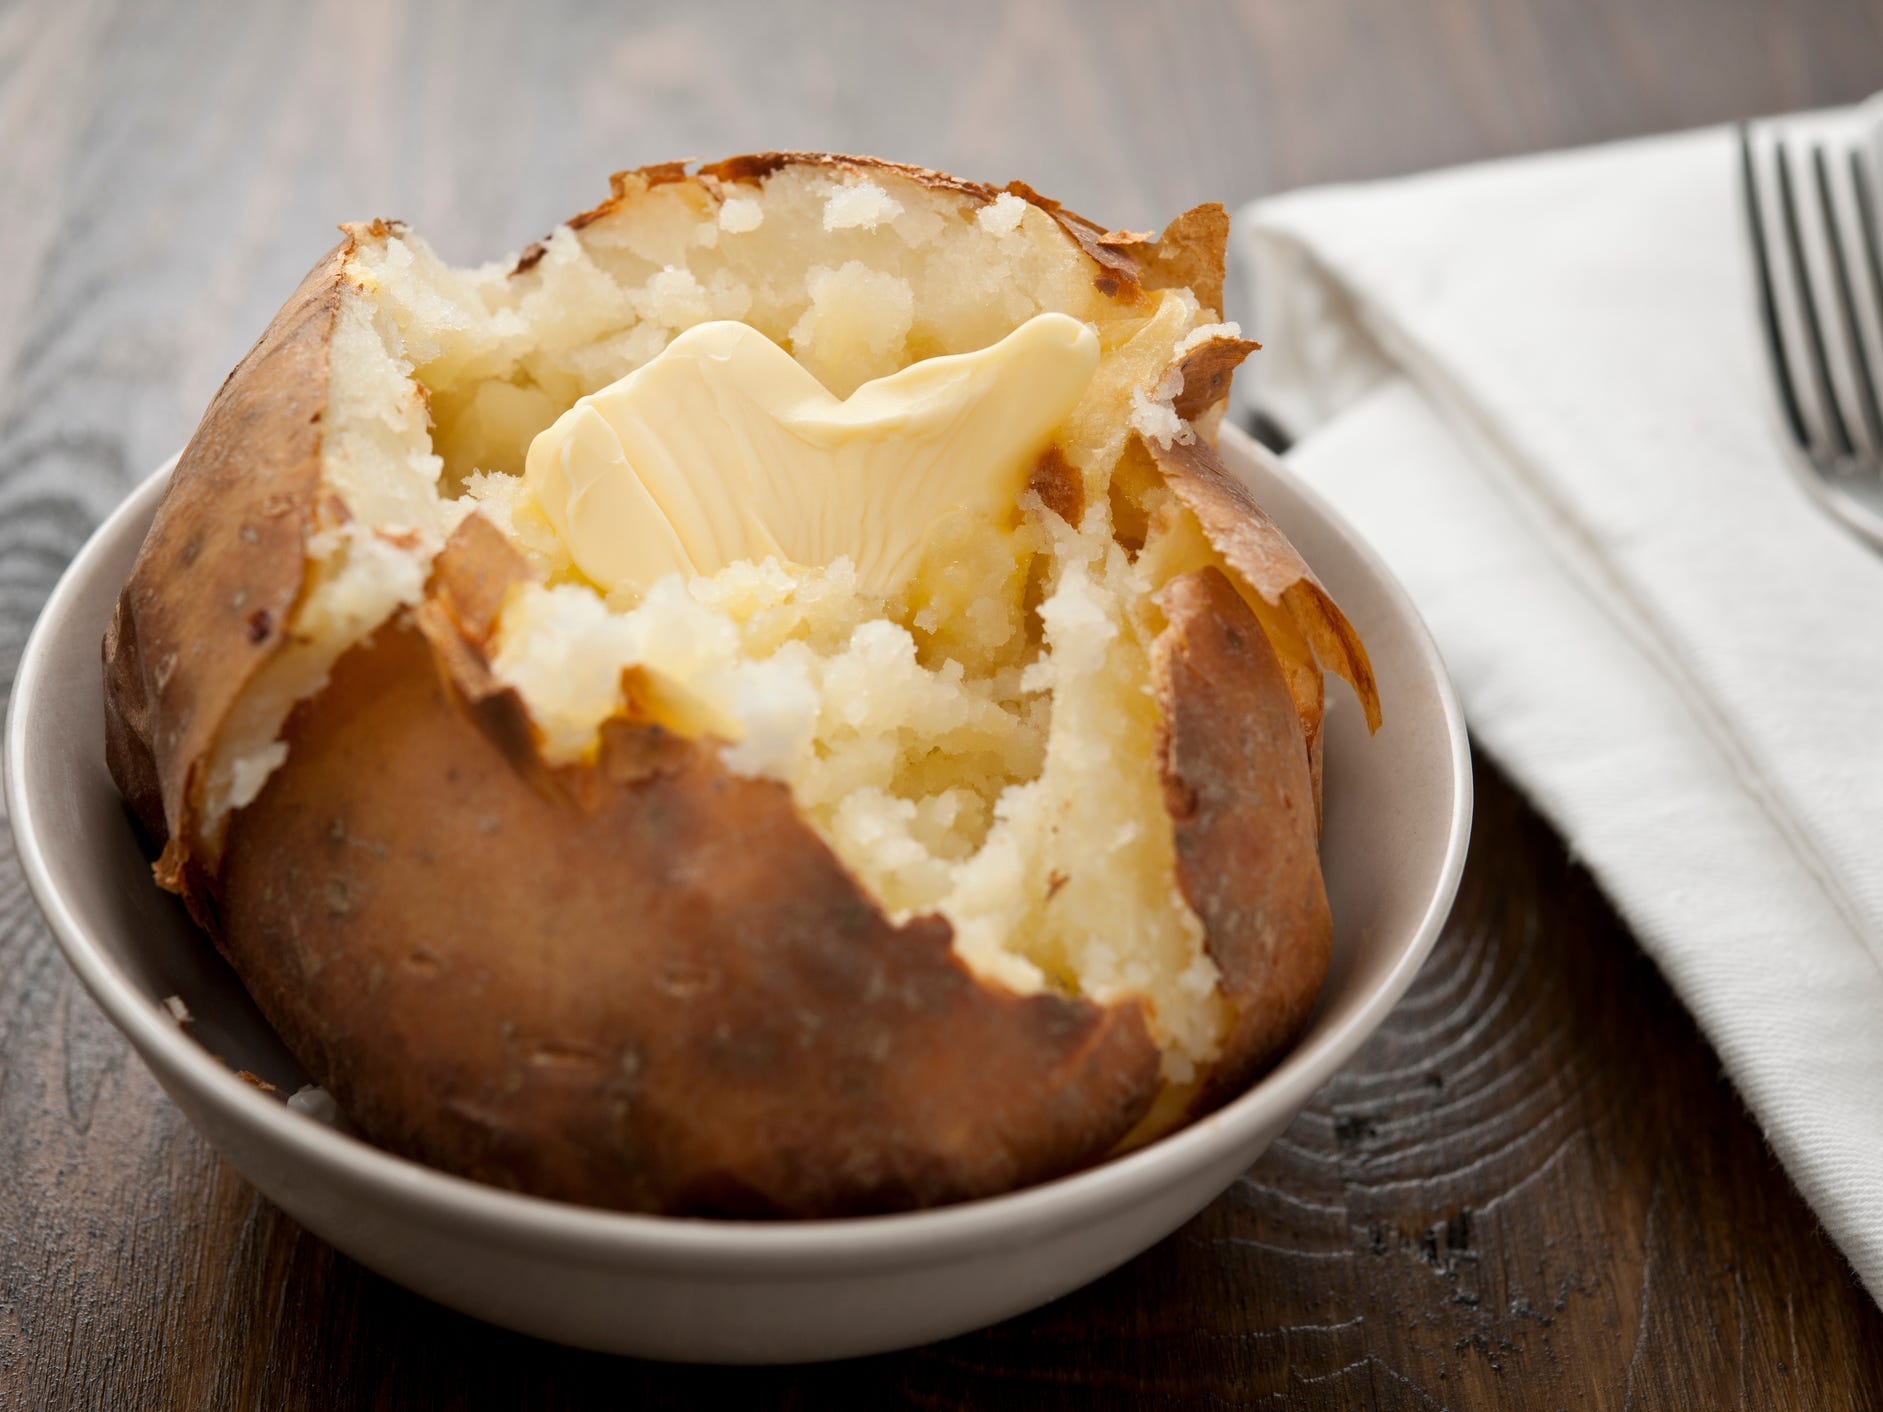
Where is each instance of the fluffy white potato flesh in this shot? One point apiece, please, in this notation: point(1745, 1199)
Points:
point(973, 734)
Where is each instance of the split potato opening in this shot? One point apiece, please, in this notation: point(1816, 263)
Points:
point(1031, 671)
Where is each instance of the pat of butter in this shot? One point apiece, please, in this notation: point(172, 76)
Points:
point(723, 448)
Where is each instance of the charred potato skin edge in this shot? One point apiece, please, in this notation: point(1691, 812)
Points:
point(1240, 797)
point(217, 578)
point(1189, 253)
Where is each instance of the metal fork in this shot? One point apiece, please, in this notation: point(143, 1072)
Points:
point(1812, 216)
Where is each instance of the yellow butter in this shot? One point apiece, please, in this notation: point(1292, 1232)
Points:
point(723, 448)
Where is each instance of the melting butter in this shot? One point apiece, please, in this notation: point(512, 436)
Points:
point(724, 448)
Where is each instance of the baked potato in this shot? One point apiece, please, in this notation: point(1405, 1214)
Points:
point(774, 890)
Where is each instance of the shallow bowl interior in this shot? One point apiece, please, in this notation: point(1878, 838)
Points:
point(1398, 817)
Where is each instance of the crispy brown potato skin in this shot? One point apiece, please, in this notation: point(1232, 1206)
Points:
point(1278, 578)
point(218, 576)
point(1256, 549)
point(647, 983)
point(1241, 801)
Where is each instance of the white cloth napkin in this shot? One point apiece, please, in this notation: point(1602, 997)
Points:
point(1538, 387)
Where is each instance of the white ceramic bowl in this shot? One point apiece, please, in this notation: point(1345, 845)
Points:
point(1398, 816)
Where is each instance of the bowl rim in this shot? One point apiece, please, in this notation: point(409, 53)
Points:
point(599, 1237)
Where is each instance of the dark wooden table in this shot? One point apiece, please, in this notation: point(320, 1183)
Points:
point(1533, 1189)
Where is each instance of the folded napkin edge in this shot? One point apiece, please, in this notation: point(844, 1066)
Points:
point(1499, 464)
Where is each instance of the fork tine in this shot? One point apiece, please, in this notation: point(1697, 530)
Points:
point(1847, 298)
point(1808, 305)
point(1867, 227)
point(1768, 294)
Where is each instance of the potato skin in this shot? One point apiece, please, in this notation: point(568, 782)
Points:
point(218, 576)
point(643, 983)
point(1190, 253)
point(647, 983)
point(1240, 797)
point(1260, 553)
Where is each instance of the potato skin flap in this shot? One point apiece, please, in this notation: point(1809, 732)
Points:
point(649, 985)
point(641, 978)
point(1237, 785)
point(218, 575)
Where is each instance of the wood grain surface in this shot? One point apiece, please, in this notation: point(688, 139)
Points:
point(1533, 1189)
